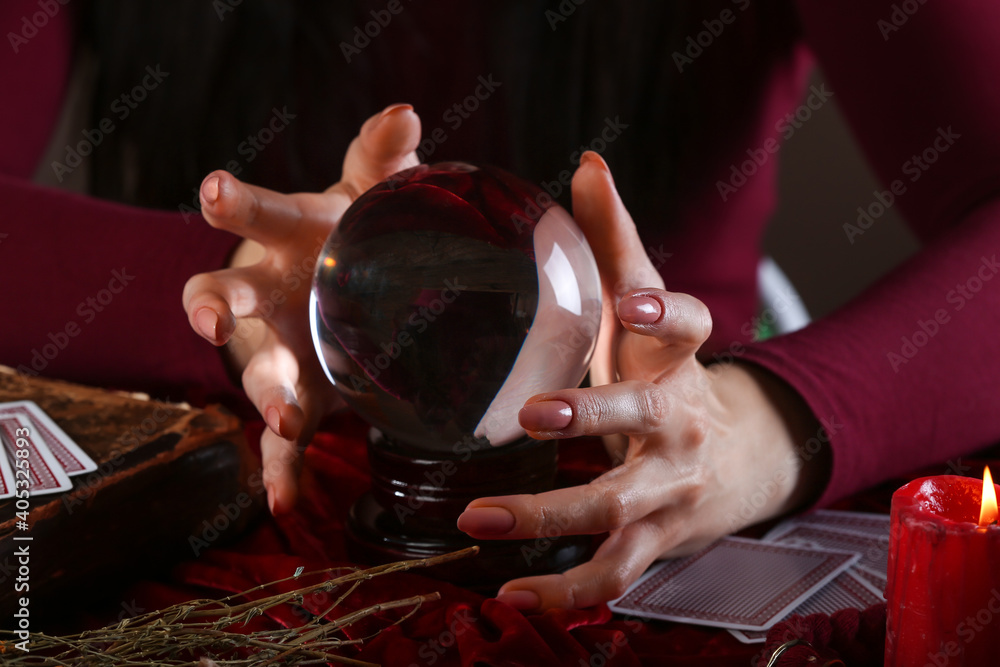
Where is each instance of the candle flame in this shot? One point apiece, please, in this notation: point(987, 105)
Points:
point(988, 513)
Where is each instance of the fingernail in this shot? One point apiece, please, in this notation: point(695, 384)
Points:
point(546, 416)
point(639, 309)
point(523, 600)
point(590, 157)
point(273, 418)
point(210, 190)
point(208, 323)
point(395, 108)
point(486, 521)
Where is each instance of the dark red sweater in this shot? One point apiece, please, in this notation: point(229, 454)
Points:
point(901, 377)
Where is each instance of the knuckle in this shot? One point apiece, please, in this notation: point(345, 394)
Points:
point(592, 408)
point(545, 520)
point(696, 430)
point(618, 508)
point(653, 406)
point(565, 596)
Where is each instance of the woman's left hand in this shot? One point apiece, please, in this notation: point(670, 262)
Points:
point(703, 444)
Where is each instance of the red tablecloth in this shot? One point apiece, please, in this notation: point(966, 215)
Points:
point(465, 628)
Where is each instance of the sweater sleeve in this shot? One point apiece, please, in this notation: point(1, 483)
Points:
point(91, 290)
point(92, 293)
point(902, 376)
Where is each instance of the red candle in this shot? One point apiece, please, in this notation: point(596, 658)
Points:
point(944, 574)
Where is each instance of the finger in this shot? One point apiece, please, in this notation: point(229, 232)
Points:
point(675, 320)
point(620, 560)
point(631, 407)
point(281, 462)
point(214, 300)
point(259, 214)
point(614, 500)
point(600, 213)
point(269, 381)
point(386, 144)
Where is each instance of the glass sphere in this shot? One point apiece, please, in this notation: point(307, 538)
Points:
point(447, 296)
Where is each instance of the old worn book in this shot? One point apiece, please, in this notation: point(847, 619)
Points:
point(171, 481)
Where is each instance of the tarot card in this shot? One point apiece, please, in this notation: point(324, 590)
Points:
point(66, 452)
point(734, 583)
point(7, 483)
point(847, 591)
point(876, 581)
point(874, 549)
point(46, 475)
point(858, 522)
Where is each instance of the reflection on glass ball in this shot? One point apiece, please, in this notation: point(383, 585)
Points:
point(447, 296)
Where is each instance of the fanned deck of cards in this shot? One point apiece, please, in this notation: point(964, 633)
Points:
point(53, 456)
point(819, 562)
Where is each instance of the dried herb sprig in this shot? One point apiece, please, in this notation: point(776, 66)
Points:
point(202, 632)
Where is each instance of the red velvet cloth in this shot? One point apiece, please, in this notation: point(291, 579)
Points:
point(465, 628)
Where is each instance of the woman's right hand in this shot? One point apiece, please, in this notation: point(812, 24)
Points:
point(258, 306)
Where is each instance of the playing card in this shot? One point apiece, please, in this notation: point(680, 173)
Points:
point(876, 581)
point(858, 522)
point(874, 549)
point(66, 452)
point(847, 591)
point(7, 486)
point(47, 476)
point(734, 583)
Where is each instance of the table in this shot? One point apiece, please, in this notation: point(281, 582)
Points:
point(463, 628)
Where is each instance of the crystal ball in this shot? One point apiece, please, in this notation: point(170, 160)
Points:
point(447, 296)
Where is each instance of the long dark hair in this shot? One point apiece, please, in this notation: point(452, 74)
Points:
point(567, 69)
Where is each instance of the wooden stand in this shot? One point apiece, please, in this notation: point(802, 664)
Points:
point(417, 496)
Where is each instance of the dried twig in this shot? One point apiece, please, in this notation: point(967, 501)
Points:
point(206, 632)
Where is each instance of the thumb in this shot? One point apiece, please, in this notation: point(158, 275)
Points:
point(601, 215)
